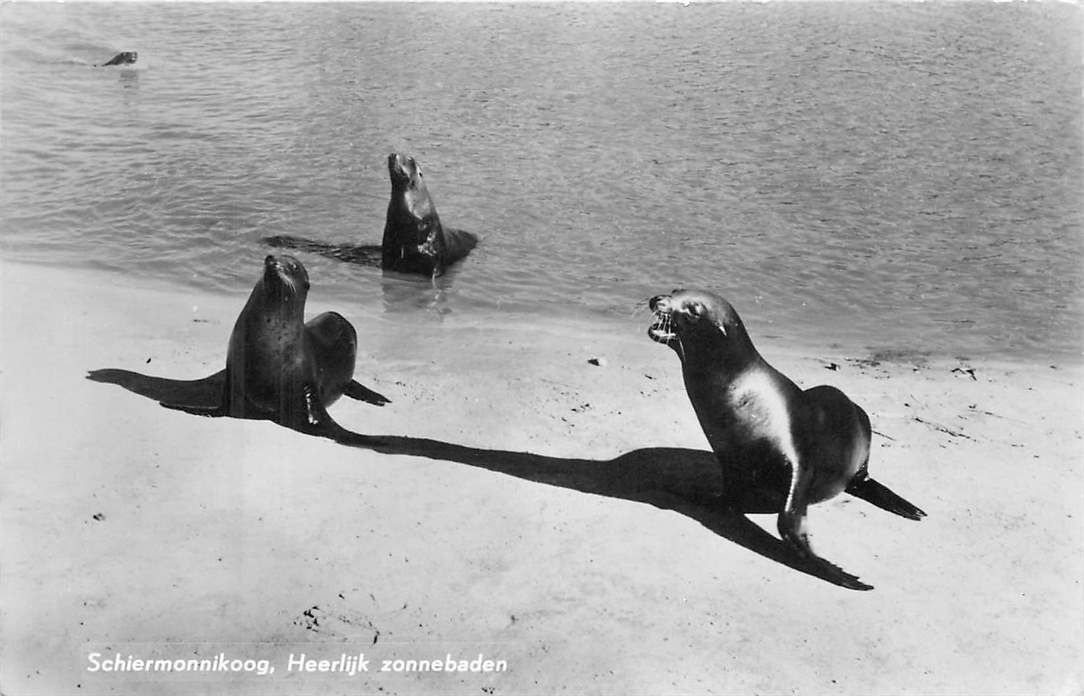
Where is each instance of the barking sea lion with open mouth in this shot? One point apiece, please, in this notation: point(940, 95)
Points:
point(806, 446)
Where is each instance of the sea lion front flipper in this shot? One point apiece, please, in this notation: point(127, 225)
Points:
point(835, 574)
point(356, 390)
point(792, 528)
point(791, 522)
point(319, 422)
point(869, 490)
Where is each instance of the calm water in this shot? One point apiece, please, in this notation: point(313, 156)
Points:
point(882, 176)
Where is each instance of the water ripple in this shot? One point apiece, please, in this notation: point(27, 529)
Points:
point(869, 174)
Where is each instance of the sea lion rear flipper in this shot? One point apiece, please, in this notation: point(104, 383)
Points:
point(358, 391)
point(457, 244)
point(869, 490)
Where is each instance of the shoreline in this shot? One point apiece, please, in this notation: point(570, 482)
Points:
point(538, 505)
point(406, 305)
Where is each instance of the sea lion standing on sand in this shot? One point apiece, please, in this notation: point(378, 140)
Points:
point(122, 58)
point(414, 239)
point(279, 368)
point(808, 446)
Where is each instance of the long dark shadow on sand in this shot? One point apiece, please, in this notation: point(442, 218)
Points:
point(686, 481)
point(196, 392)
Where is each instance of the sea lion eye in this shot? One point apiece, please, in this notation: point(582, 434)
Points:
point(695, 309)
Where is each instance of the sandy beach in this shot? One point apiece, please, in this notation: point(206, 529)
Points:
point(539, 509)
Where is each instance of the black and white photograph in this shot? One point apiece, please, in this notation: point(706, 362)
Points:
point(529, 348)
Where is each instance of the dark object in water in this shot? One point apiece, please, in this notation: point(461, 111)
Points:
point(414, 241)
point(122, 58)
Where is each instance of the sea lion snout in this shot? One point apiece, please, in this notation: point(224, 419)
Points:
point(288, 270)
point(403, 168)
point(662, 328)
point(396, 170)
point(280, 265)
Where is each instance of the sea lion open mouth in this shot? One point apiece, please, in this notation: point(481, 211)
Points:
point(661, 329)
point(797, 446)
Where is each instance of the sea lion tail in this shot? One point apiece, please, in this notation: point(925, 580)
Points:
point(872, 492)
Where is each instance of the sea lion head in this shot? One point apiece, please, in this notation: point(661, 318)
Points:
point(285, 280)
point(123, 58)
point(408, 190)
point(404, 171)
point(697, 323)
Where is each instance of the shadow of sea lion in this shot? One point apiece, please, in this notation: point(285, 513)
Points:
point(686, 481)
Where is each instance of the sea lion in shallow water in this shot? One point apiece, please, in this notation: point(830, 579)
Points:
point(282, 369)
point(122, 58)
point(415, 241)
point(804, 445)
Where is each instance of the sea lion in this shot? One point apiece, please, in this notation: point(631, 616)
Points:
point(281, 369)
point(122, 58)
point(802, 446)
point(415, 241)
